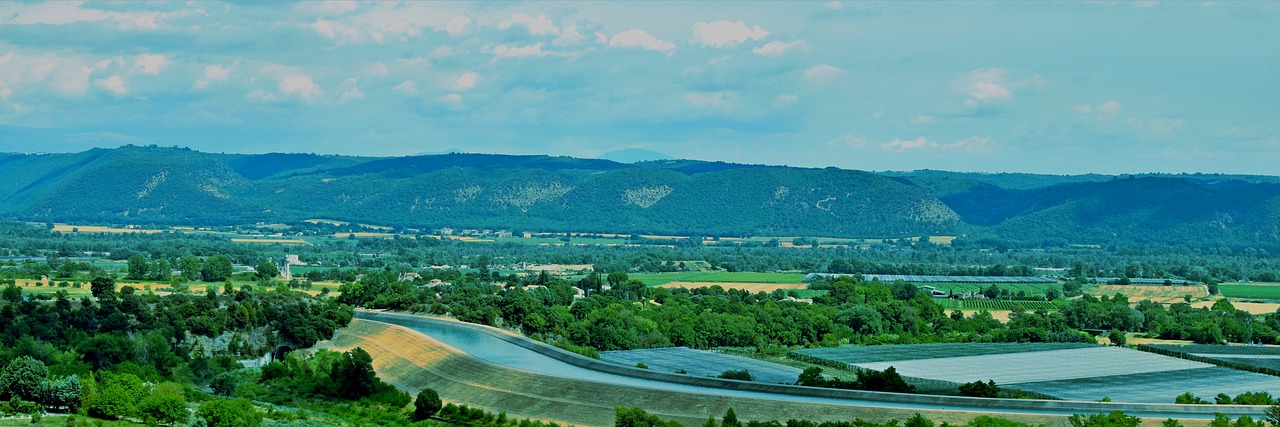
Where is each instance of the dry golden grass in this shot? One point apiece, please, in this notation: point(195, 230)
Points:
point(362, 234)
point(941, 240)
point(1250, 307)
point(1001, 315)
point(68, 228)
point(749, 287)
point(1157, 293)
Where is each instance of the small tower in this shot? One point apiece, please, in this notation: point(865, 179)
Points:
point(284, 268)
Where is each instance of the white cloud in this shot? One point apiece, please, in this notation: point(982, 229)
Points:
point(504, 51)
point(785, 99)
point(1157, 127)
point(971, 144)
point(150, 63)
point(215, 73)
point(5, 91)
point(64, 76)
point(349, 94)
point(350, 90)
point(452, 98)
point(640, 39)
point(327, 8)
point(849, 140)
point(457, 25)
point(466, 81)
point(378, 69)
point(922, 119)
point(537, 25)
point(822, 72)
point(71, 79)
point(725, 33)
point(299, 85)
point(1106, 109)
point(879, 114)
point(834, 5)
point(987, 86)
point(570, 36)
point(907, 144)
point(68, 12)
point(778, 48)
point(441, 52)
point(261, 96)
point(406, 87)
point(293, 82)
point(113, 84)
point(721, 99)
point(343, 33)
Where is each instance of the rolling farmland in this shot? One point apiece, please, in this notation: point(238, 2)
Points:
point(702, 363)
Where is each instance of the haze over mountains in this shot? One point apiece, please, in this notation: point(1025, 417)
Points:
point(541, 193)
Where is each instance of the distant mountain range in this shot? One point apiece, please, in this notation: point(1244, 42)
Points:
point(544, 193)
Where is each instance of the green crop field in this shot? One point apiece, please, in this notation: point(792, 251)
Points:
point(1250, 291)
point(655, 279)
point(1031, 289)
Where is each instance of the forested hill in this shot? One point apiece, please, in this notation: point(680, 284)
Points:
point(542, 193)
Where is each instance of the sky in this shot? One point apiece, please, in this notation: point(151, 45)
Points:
point(1043, 87)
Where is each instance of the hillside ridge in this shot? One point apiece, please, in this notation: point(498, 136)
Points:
point(685, 197)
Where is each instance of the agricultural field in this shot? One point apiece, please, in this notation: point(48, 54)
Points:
point(749, 287)
point(1252, 291)
point(702, 363)
point(1037, 366)
point(1157, 387)
point(1246, 306)
point(70, 228)
point(655, 279)
point(881, 353)
point(1031, 289)
point(1250, 355)
point(997, 305)
point(1157, 293)
point(1073, 371)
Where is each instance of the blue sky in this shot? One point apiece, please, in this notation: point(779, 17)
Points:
point(1073, 87)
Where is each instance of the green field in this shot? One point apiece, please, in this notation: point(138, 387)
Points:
point(1270, 291)
point(1032, 289)
point(655, 279)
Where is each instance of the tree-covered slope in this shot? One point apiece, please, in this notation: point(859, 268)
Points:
point(685, 197)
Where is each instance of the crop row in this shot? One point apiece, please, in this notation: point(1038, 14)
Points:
point(991, 304)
